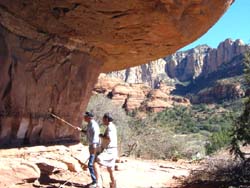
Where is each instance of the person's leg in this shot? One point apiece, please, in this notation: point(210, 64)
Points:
point(91, 167)
point(112, 177)
point(98, 174)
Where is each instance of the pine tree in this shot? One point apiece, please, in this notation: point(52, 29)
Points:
point(241, 127)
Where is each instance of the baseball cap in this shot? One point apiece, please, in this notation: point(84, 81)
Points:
point(89, 114)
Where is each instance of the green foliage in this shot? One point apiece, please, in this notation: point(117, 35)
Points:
point(185, 120)
point(217, 141)
point(179, 132)
point(241, 126)
point(185, 131)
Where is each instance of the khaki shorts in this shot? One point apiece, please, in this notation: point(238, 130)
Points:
point(107, 157)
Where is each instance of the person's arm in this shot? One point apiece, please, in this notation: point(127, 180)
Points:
point(106, 134)
point(81, 130)
point(105, 139)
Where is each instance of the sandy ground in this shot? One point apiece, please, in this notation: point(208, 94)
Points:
point(130, 173)
point(134, 173)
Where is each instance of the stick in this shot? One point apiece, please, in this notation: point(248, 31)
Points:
point(57, 117)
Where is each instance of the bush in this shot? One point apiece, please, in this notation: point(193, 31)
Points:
point(181, 132)
point(217, 141)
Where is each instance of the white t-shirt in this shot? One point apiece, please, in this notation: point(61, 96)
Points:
point(112, 133)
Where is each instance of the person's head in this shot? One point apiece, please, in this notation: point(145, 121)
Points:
point(88, 116)
point(107, 117)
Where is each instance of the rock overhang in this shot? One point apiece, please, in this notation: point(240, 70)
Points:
point(52, 52)
point(119, 33)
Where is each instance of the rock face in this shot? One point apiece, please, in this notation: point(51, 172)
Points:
point(36, 77)
point(202, 60)
point(184, 66)
point(38, 163)
point(114, 30)
point(51, 53)
point(221, 91)
point(138, 96)
point(150, 74)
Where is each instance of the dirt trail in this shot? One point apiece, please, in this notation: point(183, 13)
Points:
point(19, 169)
point(134, 173)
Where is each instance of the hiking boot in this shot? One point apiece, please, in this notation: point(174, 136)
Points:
point(92, 185)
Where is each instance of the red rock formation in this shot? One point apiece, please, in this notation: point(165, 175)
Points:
point(37, 76)
point(221, 91)
point(158, 100)
point(139, 96)
point(52, 52)
point(184, 66)
point(106, 84)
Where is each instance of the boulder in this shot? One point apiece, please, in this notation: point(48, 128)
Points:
point(18, 171)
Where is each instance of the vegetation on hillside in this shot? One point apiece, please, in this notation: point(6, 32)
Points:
point(241, 129)
point(192, 131)
point(180, 132)
point(230, 172)
point(187, 132)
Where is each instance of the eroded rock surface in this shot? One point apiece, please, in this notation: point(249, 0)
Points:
point(116, 29)
point(35, 165)
point(51, 53)
point(184, 66)
point(36, 77)
point(138, 96)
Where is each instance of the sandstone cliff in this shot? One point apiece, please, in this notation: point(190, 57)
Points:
point(51, 54)
point(184, 66)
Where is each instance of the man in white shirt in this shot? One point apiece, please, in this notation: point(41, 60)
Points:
point(92, 132)
point(108, 157)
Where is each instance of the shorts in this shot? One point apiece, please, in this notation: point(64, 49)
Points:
point(107, 157)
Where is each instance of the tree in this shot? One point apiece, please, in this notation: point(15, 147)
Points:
point(241, 127)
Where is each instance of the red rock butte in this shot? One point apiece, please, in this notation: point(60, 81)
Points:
point(51, 53)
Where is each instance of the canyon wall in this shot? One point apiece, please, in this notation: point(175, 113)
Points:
point(52, 52)
point(183, 66)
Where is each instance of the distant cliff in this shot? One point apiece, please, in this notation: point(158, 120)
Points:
point(199, 75)
point(183, 66)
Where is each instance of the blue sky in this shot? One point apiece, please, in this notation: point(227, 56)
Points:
point(234, 24)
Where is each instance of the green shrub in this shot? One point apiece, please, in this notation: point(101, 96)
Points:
point(180, 132)
point(217, 141)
